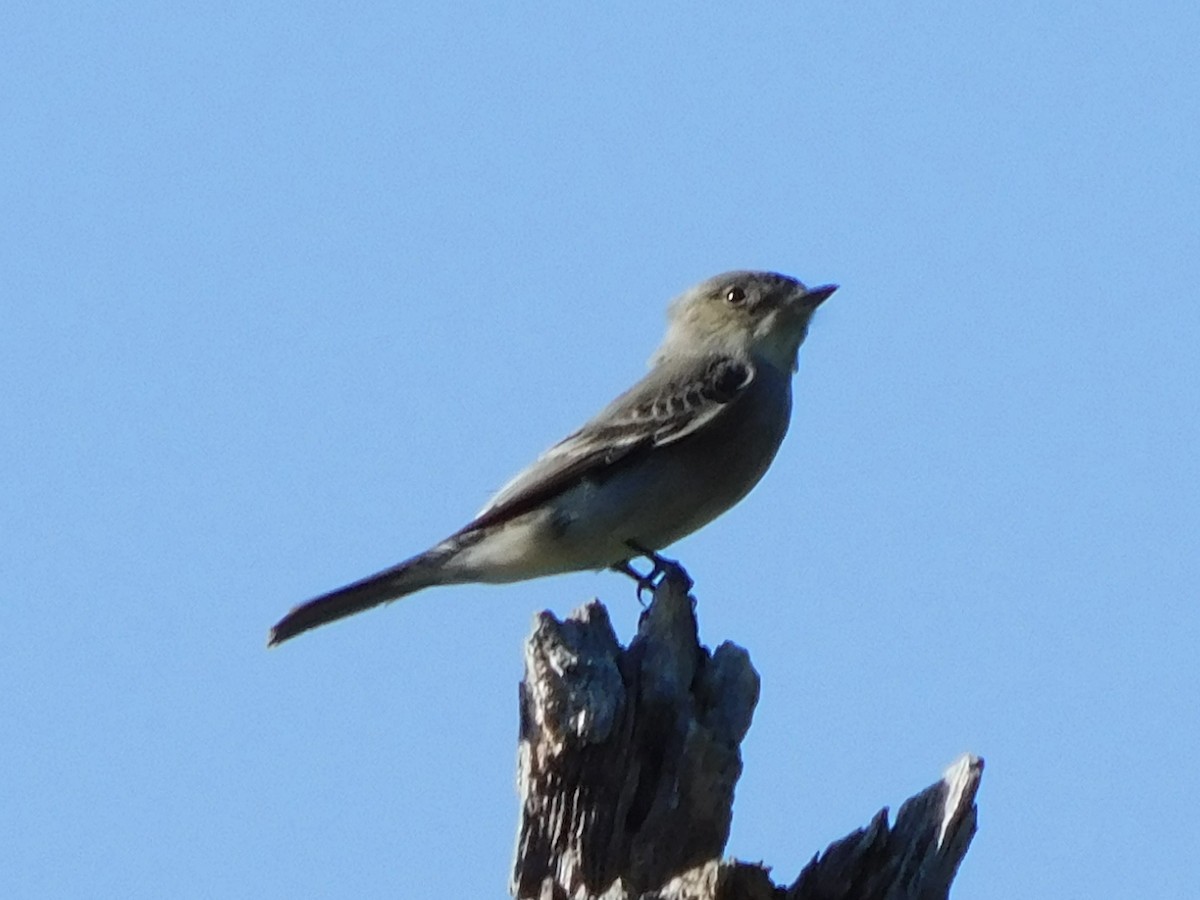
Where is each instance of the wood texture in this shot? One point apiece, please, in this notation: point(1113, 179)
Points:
point(627, 765)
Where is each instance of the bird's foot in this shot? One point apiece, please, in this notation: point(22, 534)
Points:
point(662, 568)
point(644, 582)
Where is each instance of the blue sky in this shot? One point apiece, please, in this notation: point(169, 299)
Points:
point(288, 290)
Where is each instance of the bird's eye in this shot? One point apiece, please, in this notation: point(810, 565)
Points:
point(735, 296)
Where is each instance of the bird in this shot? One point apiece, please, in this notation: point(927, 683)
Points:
point(680, 447)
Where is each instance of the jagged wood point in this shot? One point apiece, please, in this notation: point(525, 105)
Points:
point(629, 757)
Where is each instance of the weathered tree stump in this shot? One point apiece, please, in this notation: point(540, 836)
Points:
point(629, 758)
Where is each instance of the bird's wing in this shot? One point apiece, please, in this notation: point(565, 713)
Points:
point(671, 402)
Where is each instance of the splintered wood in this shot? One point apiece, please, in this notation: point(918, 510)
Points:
point(628, 761)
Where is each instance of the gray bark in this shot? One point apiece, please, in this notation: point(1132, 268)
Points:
point(627, 765)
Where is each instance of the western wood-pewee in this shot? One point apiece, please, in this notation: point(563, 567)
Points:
point(672, 453)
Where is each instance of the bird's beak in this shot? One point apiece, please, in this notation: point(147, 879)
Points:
point(814, 297)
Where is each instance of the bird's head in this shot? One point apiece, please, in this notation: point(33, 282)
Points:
point(760, 315)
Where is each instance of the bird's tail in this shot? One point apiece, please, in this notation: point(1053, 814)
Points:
point(412, 575)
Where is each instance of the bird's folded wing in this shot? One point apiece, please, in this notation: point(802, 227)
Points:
point(670, 403)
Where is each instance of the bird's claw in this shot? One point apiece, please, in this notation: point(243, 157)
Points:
point(662, 568)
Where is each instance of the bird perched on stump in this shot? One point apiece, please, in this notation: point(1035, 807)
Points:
point(668, 456)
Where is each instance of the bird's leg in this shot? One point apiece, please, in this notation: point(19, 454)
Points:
point(644, 582)
point(662, 567)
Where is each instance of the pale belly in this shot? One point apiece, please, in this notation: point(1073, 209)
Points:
point(653, 501)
